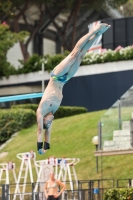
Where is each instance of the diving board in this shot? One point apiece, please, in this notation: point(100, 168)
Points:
point(20, 97)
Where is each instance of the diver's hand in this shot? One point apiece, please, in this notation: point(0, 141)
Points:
point(41, 151)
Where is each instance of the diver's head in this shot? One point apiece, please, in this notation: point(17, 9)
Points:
point(47, 120)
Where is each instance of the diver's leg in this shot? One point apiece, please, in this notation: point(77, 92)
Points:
point(83, 51)
point(68, 62)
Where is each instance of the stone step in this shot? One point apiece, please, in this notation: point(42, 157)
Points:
point(122, 138)
point(114, 145)
point(108, 143)
point(121, 133)
point(122, 143)
point(117, 147)
point(112, 148)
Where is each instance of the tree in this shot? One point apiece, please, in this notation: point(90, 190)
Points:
point(17, 11)
point(127, 9)
point(73, 10)
point(7, 40)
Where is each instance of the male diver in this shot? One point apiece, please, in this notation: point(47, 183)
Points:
point(52, 96)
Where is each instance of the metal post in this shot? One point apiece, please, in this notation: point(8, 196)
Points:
point(42, 77)
point(99, 189)
point(97, 159)
point(3, 192)
point(131, 132)
point(130, 182)
point(79, 190)
point(100, 135)
point(119, 114)
point(7, 192)
point(90, 190)
point(32, 191)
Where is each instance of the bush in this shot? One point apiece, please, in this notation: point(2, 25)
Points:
point(63, 111)
point(9, 129)
point(119, 194)
point(12, 120)
point(66, 111)
point(34, 63)
point(53, 61)
point(24, 115)
point(109, 55)
point(26, 106)
point(6, 69)
point(7, 40)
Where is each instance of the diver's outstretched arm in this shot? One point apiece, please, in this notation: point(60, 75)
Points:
point(40, 146)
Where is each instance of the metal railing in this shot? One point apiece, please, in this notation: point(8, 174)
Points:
point(87, 190)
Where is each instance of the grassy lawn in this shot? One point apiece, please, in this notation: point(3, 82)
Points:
point(72, 138)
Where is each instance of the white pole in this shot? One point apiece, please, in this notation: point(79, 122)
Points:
point(42, 77)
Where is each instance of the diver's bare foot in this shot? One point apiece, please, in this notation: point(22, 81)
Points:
point(99, 29)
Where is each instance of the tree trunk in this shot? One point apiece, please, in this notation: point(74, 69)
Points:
point(17, 30)
point(62, 31)
point(22, 45)
point(74, 24)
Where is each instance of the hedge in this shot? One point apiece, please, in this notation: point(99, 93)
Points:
point(119, 194)
point(34, 63)
point(63, 111)
point(66, 111)
point(26, 106)
point(24, 115)
point(12, 120)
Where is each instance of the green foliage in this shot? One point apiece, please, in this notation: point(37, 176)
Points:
point(7, 130)
point(109, 55)
point(33, 64)
point(24, 118)
point(35, 61)
point(118, 194)
point(7, 40)
point(7, 70)
point(24, 115)
point(127, 9)
point(12, 120)
point(66, 111)
point(63, 111)
point(26, 106)
point(118, 3)
point(53, 61)
point(5, 9)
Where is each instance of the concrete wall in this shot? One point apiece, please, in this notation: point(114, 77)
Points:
point(95, 87)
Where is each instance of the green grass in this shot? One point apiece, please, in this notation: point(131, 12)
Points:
point(72, 137)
